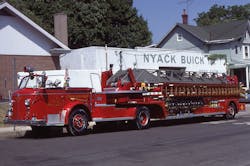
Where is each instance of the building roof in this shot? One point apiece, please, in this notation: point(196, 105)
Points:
point(10, 10)
point(218, 33)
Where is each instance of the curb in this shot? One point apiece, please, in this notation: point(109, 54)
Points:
point(14, 129)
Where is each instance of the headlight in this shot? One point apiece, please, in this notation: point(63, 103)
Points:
point(9, 113)
point(27, 102)
point(11, 104)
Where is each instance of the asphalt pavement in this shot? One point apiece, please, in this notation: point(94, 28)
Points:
point(198, 141)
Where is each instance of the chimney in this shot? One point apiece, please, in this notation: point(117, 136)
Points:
point(61, 27)
point(184, 17)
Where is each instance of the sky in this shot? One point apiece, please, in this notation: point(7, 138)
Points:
point(162, 15)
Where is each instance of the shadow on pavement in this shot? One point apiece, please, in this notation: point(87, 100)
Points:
point(43, 133)
point(115, 127)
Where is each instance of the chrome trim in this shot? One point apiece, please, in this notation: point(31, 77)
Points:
point(120, 92)
point(35, 94)
point(112, 119)
point(25, 122)
point(31, 122)
point(105, 105)
point(192, 115)
point(27, 102)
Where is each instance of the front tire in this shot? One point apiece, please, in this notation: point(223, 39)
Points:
point(142, 118)
point(231, 111)
point(78, 122)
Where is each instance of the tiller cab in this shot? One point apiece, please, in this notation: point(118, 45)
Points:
point(132, 95)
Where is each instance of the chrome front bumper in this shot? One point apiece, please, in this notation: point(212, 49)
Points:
point(25, 122)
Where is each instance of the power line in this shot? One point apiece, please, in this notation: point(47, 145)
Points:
point(187, 2)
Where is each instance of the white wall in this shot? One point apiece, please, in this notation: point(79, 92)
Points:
point(94, 58)
point(19, 38)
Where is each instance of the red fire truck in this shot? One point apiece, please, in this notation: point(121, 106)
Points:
point(135, 95)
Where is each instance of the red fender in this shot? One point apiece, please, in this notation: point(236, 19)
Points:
point(69, 107)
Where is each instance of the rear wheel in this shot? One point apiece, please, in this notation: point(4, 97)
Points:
point(78, 122)
point(231, 111)
point(142, 118)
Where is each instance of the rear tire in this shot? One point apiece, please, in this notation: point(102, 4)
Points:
point(231, 111)
point(78, 122)
point(142, 118)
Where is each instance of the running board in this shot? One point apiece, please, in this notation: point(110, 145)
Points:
point(191, 115)
point(180, 116)
point(112, 119)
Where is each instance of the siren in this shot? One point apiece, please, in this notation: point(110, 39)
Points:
point(28, 69)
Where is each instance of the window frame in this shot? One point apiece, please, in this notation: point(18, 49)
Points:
point(245, 49)
point(236, 50)
point(179, 37)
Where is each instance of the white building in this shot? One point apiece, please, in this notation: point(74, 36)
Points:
point(230, 39)
point(99, 58)
point(22, 43)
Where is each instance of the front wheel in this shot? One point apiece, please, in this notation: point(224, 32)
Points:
point(142, 118)
point(231, 112)
point(78, 122)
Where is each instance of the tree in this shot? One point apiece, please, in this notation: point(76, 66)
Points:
point(91, 22)
point(218, 14)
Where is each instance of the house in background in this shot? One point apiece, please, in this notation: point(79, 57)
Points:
point(231, 39)
point(23, 42)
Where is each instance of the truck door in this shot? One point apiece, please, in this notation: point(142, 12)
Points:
point(47, 104)
point(95, 82)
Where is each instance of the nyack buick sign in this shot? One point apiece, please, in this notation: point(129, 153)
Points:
point(191, 60)
point(172, 59)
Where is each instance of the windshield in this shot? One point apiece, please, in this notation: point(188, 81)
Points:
point(39, 81)
point(31, 82)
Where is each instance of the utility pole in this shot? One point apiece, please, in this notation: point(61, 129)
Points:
point(120, 58)
point(106, 56)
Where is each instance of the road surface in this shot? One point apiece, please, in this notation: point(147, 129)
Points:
point(196, 142)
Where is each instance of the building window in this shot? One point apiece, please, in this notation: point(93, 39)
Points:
point(246, 52)
point(236, 49)
point(179, 37)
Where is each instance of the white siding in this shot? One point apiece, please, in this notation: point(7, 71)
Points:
point(188, 42)
point(19, 38)
point(247, 38)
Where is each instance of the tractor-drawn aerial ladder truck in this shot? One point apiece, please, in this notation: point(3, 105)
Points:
point(132, 95)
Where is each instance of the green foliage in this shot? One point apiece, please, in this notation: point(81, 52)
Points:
point(218, 14)
point(213, 57)
point(216, 56)
point(91, 22)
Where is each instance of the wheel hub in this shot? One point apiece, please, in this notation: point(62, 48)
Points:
point(78, 122)
point(231, 111)
point(143, 118)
